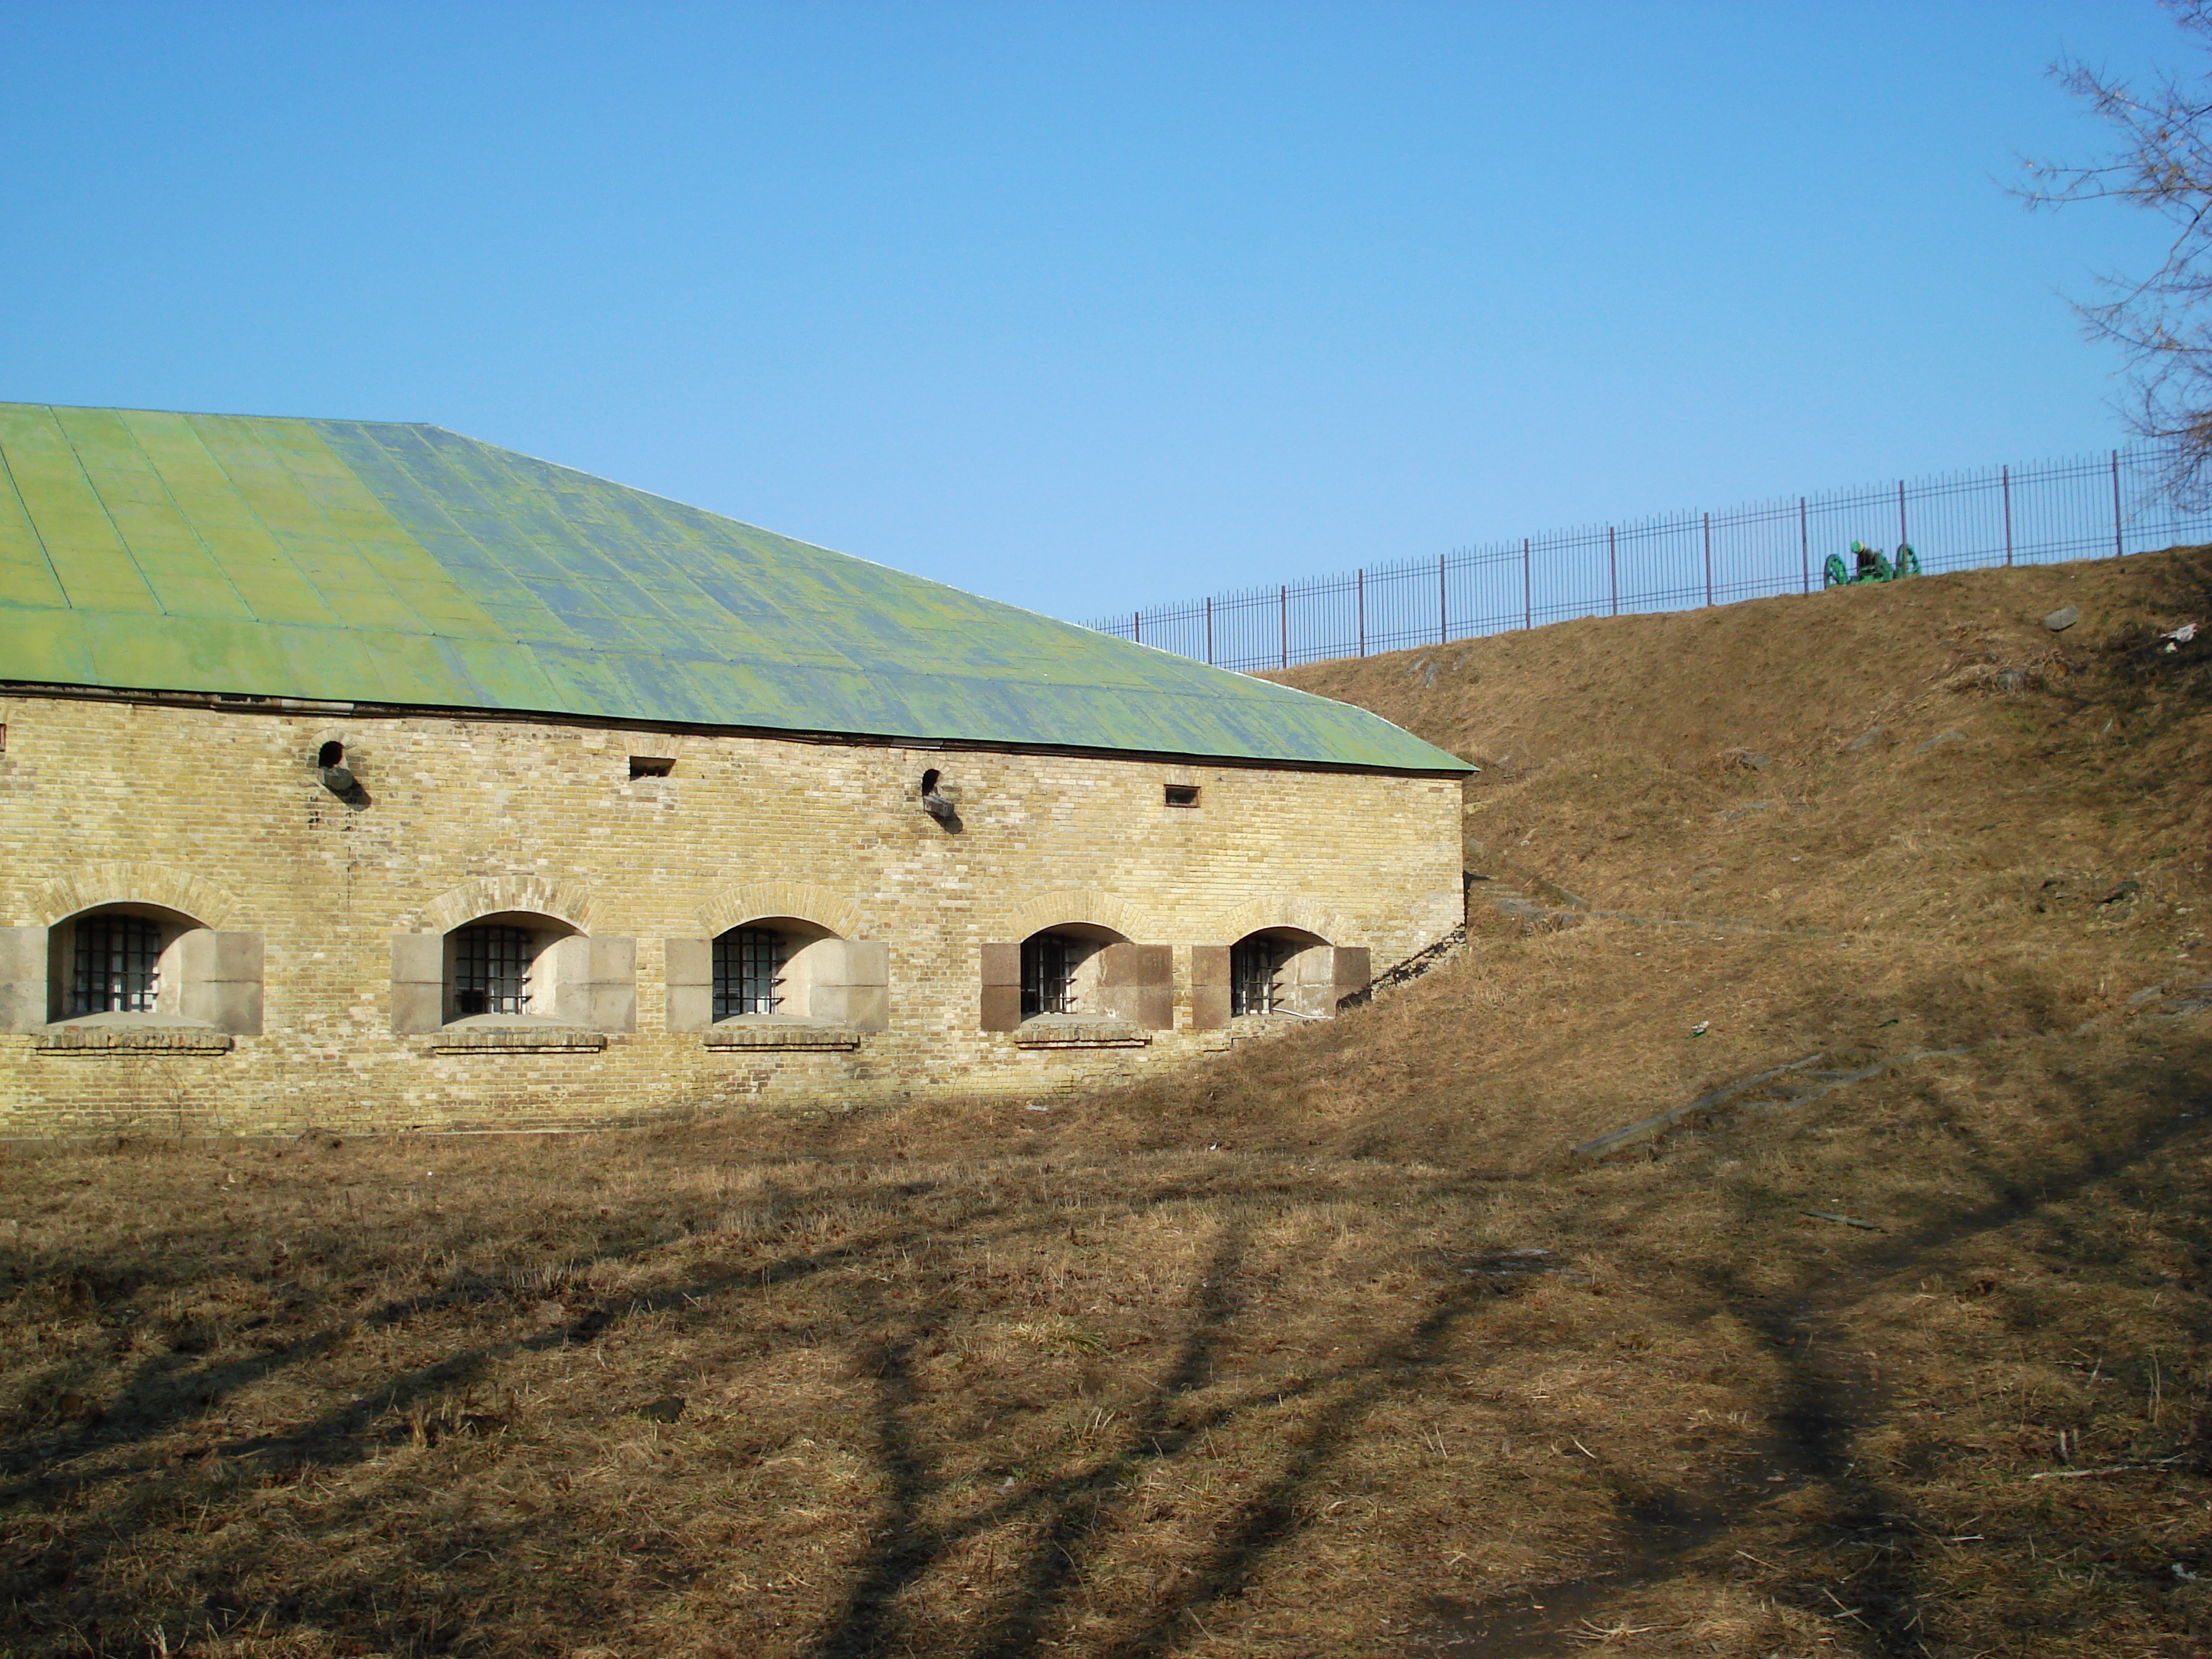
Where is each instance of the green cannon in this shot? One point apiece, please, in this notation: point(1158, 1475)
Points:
point(1868, 565)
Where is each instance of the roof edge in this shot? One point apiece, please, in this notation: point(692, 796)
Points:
point(244, 703)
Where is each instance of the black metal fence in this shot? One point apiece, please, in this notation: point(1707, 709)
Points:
point(2106, 505)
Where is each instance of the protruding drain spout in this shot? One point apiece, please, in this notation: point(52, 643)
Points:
point(936, 802)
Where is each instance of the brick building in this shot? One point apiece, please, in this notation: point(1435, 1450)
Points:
point(368, 775)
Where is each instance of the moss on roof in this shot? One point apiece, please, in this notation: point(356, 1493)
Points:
point(356, 562)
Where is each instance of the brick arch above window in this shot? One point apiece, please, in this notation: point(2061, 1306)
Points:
point(1124, 916)
point(96, 884)
point(749, 901)
point(1305, 915)
point(491, 896)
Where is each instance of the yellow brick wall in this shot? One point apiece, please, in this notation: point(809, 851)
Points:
point(221, 814)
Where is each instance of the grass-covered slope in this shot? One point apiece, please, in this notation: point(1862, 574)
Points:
point(1328, 1346)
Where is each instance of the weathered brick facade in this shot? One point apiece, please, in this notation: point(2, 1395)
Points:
point(219, 815)
point(371, 775)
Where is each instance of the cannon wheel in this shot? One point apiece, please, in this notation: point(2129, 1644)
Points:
point(1835, 573)
point(1908, 561)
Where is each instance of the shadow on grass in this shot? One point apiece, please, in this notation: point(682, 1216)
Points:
point(67, 1472)
point(1826, 1400)
point(1067, 1517)
point(1057, 1528)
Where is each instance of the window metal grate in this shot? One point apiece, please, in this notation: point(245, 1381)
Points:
point(491, 970)
point(1048, 962)
point(119, 966)
point(748, 968)
point(1252, 966)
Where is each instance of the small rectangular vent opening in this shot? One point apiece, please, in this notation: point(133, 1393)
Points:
point(1182, 794)
point(651, 766)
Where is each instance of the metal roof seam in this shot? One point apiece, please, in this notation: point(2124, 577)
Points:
point(215, 460)
point(93, 490)
point(169, 495)
point(31, 523)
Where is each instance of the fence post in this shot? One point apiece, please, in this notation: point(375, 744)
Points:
point(1902, 537)
point(1527, 591)
point(2007, 475)
point(1804, 547)
point(1360, 578)
point(1209, 632)
point(2116, 549)
point(1708, 557)
point(1611, 570)
point(1137, 626)
point(1283, 594)
point(1443, 602)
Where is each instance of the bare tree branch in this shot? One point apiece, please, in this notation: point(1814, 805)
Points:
point(2162, 163)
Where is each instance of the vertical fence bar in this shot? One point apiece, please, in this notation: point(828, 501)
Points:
point(1360, 579)
point(1708, 557)
point(1137, 626)
point(1902, 537)
point(1443, 602)
point(2007, 483)
point(1283, 594)
point(1804, 549)
point(1611, 570)
point(2116, 549)
point(1528, 589)
point(1209, 631)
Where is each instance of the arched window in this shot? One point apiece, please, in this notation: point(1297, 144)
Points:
point(1049, 965)
point(1075, 974)
point(774, 966)
point(781, 972)
point(505, 967)
point(138, 964)
point(1281, 970)
point(1253, 966)
point(506, 975)
point(1060, 969)
point(749, 978)
point(494, 965)
point(115, 964)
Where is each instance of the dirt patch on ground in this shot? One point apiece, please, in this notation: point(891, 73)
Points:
point(1328, 1346)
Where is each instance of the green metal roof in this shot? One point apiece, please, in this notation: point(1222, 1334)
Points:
point(357, 561)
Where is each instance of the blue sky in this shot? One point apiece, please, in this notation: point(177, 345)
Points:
point(1085, 307)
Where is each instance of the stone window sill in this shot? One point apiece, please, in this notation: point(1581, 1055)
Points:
point(745, 1033)
point(1058, 1031)
point(95, 1040)
point(545, 1038)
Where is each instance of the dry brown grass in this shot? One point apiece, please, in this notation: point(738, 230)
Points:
point(1244, 1361)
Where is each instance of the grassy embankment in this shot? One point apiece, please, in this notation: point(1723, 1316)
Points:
point(1328, 1346)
